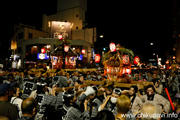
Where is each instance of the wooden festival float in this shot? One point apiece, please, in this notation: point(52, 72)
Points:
point(117, 66)
point(117, 63)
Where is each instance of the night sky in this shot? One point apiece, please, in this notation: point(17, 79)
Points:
point(133, 24)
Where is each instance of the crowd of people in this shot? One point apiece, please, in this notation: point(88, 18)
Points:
point(27, 95)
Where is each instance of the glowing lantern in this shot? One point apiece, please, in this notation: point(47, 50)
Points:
point(60, 37)
point(136, 60)
point(112, 47)
point(83, 51)
point(43, 50)
point(66, 48)
point(128, 71)
point(125, 59)
point(97, 58)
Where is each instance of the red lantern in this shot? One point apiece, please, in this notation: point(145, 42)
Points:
point(125, 59)
point(112, 47)
point(97, 58)
point(83, 51)
point(136, 60)
point(66, 48)
point(43, 50)
point(60, 37)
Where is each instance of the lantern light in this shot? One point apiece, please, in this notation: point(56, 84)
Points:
point(125, 59)
point(83, 51)
point(136, 60)
point(112, 47)
point(97, 58)
point(128, 71)
point(66, 48)
point(60, 37)
point(43, 50)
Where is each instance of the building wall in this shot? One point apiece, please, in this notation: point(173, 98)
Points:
point(68, 10)
point(35, 34)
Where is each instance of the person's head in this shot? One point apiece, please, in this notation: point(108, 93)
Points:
point(17, 92)
point(105, 115)
point(133, 90)
point(28, 107)
point(109, 90)
point(156, 83)
point(41, 87)
point(76, 73)
point(150, 90)
point(67, 75)
point(69, 97)
point(31, 77)
point(123, 104)
point(149, 111)
point(6, 90)
point(154, 76)
point(116, 93)
point(136, 76)
point(63, 73)
point(10, 77)
point(26, 74)
point(81, 78)
point(77, 83)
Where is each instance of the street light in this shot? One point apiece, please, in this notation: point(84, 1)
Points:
point(151, 43)
point(101, 36)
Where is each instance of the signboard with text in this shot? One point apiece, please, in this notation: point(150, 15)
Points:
point(63, 28)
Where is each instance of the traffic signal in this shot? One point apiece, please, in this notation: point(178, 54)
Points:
point(104, 49)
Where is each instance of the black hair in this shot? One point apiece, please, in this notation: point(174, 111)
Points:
point(25, 73)
point(150, 86)
point(68, 95)
point(78, 81)
point(40, 89)
point(105, 115)
point(10, 76)
point(110, 87)
point(135, 88)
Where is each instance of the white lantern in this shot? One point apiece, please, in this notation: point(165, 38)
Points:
point(66, 48)
point(112, 47)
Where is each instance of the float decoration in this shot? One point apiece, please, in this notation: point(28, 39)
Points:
point(117, 64)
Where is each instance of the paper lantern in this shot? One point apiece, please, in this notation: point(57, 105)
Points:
point(128, 71)
point(97, 58)
point(112, 47)
point(60, 37)
point(66, 48)
point(125, 59)
point(43, 50)
point(83, 51)
point(136, 60)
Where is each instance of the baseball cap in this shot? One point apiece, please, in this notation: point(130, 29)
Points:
point(5, 87)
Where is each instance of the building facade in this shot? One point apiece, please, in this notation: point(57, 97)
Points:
point(68, 22)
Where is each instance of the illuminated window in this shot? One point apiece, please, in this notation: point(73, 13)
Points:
point(49, 24)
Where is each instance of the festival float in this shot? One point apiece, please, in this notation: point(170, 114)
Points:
point(117, 63)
